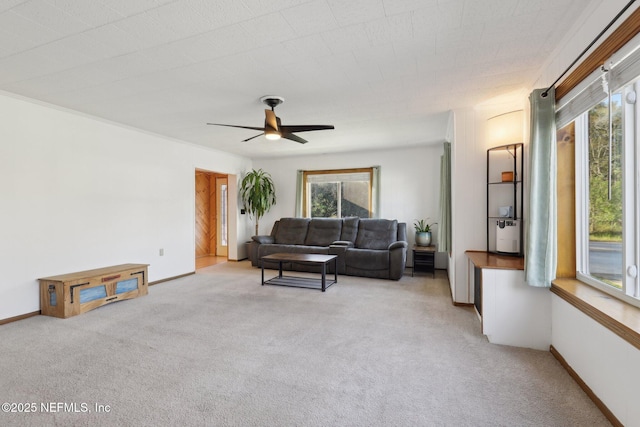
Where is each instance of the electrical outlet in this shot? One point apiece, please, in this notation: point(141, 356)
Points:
point(161, 252)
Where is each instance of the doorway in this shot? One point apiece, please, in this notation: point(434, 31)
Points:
point(211, 218)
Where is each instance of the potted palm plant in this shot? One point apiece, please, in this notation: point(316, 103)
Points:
point(423, 232)
point(258, 193)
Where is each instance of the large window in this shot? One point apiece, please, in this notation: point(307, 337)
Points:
point(338, 193)
point(608, 193)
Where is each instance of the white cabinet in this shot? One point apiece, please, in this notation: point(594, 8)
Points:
point(512, 312)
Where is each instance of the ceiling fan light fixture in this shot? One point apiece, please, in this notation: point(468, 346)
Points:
point(272, 134)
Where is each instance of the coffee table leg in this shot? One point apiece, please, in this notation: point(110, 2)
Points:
point(280, 269)
point(262, 273)
point(335, 269)
point(324, 275)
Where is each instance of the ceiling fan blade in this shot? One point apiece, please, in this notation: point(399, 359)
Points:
point(237, 126)
point(249, 139)
point(305, 128)
point(293, 137)
point(271, 119)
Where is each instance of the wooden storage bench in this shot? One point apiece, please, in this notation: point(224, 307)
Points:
point(71, 294)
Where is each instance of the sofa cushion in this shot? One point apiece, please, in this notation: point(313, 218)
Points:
point(376, 233)
point(292, 249)
point(323, 231)
point(292, 231)
point(349, 229)
point(367, 259)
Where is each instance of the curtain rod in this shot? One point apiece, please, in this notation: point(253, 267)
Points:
point(546, 92)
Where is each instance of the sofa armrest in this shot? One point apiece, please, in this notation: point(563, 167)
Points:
point(398, 244)
point(397, 259)
point(340, 251)
point(263, 239)
point(344, 243)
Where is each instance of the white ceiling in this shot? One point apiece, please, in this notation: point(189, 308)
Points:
point(383, 72)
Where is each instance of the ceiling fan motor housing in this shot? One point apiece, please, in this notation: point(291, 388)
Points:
point(272, 100)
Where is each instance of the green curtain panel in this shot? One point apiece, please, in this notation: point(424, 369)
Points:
point(444, 228)
point(375, 193)
point(541, 245)
point(299, 187)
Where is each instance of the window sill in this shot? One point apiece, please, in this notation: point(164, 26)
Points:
point(616, 315)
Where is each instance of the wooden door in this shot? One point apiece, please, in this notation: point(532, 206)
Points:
point(203, 214)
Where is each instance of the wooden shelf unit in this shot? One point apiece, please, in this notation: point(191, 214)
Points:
point(71, 294)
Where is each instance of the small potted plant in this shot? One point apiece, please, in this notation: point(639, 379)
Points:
point(423, 232)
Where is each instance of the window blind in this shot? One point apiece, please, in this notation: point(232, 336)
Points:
point(627, 70)
point(338, 177)
point(589, 93)
point(624, 67)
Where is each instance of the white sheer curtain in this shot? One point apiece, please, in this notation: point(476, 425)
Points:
point(541, 245)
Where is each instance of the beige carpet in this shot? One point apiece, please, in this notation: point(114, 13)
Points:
point(216, 349)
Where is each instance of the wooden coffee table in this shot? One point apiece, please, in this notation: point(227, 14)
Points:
point(302, 282)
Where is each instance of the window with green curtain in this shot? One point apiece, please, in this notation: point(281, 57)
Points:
point(604, 111)
point(338, 193)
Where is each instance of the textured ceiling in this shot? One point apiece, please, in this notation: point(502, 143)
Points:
point(383, 72)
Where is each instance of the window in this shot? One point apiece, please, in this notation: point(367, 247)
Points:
point(338, 193)
point(608, 193)
point(605, 110)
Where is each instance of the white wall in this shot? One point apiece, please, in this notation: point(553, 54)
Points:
point(605, 362)
point(468, 202)
point(469, 184)
point(78, 193)
point(410, 183)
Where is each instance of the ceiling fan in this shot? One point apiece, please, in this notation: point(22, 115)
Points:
point(273, 129)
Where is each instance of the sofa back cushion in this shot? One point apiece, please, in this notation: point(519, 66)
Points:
point(323, 231)
point(376, 233)
point(292, 231)
point(274, 230)
point(349, 229)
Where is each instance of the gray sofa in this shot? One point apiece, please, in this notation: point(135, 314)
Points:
point(365, 247)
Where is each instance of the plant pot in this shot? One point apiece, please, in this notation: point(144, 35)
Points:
point(423, 238)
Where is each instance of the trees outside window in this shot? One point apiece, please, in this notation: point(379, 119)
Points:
point(338, 193)
point(605, 191)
